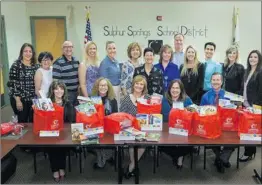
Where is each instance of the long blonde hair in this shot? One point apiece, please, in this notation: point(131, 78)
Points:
point(228, 51)
point(196, 62)
point(86, 60)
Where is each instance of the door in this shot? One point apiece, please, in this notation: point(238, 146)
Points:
point(48, 34)
point(4, 65)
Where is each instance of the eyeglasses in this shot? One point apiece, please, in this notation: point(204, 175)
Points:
point(68, 47)
point(103, 85)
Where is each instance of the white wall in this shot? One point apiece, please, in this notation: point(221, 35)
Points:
point(17, 27)
point(216, 16)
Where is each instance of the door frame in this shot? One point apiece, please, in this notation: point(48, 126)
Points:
point(5, 66)
point(32, 25)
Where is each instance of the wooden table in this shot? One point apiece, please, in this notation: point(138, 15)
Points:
point(65, 139)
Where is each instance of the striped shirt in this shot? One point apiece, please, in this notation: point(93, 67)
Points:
point(127, 106)
point(67, 72)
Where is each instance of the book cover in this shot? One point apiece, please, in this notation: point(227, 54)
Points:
point(76, 130)
point(143, 119)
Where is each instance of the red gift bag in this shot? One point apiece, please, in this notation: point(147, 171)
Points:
point(93, 121)
point(181, 119)
point(149, 109)
point(228, 119)
point(48, 120)
point(207, 126)
point(112, 122)
point(249, 123)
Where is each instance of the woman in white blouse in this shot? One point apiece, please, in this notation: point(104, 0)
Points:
point(43, 76)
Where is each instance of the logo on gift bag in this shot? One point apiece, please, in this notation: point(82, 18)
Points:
point(179, 124)
point(201, 130)
point(55, 125)
point(253, 128)
point(228, 122)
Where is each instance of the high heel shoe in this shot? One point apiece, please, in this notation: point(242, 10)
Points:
point(247, 158)
point(62, 174)
point(129, 174)
point(56, 176)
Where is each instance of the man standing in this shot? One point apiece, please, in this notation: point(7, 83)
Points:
point(211, 98)
point(211, 66)
point(178, 56)
point(65, 68)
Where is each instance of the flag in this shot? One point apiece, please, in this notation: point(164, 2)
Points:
point(236, 36)
point(88, 35)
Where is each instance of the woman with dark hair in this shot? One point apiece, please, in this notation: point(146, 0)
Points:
point(104, 89)
point(57, 155)
point(21, 83)
point(252, 91)
point(175, 93)
point(169, 69)
point(43, 76)
point(154, 76)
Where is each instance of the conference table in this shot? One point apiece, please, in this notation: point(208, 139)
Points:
point(65, 140)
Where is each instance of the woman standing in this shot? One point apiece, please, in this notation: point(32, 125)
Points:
point(169, 69)
point(21, 83)
point(192, 75)
point(129, 105)
point(252, 91)
point(104, 89)
point(57, 155)
point(175, 93)
point(154, 76)
point(110, 68)
point(43, 76)
point(134, 52)
point(88, 70)
point(233, 72)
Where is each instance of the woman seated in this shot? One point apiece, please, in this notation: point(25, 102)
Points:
point(175, 93)
point(57, 155)
point(104, 89)
point(129, 105)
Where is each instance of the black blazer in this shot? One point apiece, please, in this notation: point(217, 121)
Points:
point(254, 89)
point(233, 78)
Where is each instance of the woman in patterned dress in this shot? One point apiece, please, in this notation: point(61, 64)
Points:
point(88, 70)
point(129, 105)
point(134, 52)
point(154, 76)
point(21, 83)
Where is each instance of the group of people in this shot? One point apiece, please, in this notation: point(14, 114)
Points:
point(178, 76)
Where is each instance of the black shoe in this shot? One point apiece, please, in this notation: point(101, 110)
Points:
point(227, 165)
point(95, 166)
point(128, 174)
point(247, 158)
point(111, 161)
point(220, 167)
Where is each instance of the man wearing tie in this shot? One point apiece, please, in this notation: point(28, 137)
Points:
point(211, 97)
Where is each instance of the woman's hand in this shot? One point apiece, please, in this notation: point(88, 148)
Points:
point(19, 104)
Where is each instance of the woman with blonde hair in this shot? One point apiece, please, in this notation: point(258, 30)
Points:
point(233, 72)
point(88, 70)
point(129, 105)
point(192, 74)
point(134, 52)
point(104, 89)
